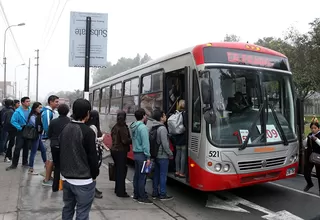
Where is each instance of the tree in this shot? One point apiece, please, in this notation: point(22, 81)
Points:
point(123, 64)
point(72, 96)
point(303, 58)
point(231, 38)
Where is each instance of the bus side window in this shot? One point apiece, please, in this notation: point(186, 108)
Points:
point(105, 100)
point(90, 98)
point(196, 106)
point(115, 104)
point(96, 100)
point(131, 96)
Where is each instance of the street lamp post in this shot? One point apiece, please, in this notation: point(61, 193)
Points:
point(5, 59)
point(15, 79)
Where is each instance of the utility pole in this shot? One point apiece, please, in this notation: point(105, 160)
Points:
point(37, 80)
point(29, 79)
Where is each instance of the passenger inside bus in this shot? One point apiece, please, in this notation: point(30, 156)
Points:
point(238, 103)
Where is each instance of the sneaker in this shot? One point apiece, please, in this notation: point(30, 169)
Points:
point(7, 160)
point(134, 198)
point(166, 198)
point(47, 183)
point(145, 201)
point(32, 172)
point(11, 168)
point(306, 189)
point(155, 196)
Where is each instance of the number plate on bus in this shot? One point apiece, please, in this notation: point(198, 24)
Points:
point(272, 133)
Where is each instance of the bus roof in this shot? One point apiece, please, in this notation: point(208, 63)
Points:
point(197, 52)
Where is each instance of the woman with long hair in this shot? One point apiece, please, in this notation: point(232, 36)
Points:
point(121, 141)
point(313, 145)
point(34, 119)
point(94, 124)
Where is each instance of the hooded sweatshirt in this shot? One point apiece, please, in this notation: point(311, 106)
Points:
point(46, 116)
point(140, 138)
point(162, 139)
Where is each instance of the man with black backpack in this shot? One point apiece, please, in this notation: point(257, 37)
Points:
point(160, 151)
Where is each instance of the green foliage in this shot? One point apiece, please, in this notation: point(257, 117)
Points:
point(123, 64)
point(303, 52)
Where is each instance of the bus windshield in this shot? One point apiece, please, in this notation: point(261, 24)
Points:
point(249, 99)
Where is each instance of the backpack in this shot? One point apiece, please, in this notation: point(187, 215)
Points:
point(176, 124)
point(7, 121)
point(154, 145)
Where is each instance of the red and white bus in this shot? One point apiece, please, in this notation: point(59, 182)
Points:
point(240, 105)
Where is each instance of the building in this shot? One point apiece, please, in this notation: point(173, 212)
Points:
point(10, 89)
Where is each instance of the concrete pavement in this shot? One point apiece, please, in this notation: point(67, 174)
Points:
point(24, 198)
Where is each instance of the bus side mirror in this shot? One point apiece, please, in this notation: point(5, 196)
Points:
point(209, 116)
point(206, 87)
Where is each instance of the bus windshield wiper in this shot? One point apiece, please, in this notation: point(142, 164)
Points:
point(276, 119)
point(254, 124)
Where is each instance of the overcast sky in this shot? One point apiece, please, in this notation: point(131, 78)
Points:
point(140, 26)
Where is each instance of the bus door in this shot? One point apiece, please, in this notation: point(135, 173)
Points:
point(176, 89)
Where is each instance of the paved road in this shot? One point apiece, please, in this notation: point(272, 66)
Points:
point(281, 200)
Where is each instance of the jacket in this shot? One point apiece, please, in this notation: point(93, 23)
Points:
point(35, 121)
point(55, 128)
point(7, 126)
point(121, 139)
point(140, 138)
point(181, 139)
point(312, 145)
point(18, 120)
point(46, 117)
point(162, 139)
point(78, 154)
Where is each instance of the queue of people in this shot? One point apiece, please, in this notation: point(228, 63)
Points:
point(69, 147)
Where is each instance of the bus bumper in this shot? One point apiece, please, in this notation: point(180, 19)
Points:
point(207, 181)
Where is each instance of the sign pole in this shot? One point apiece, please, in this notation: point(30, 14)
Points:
point(87, 59)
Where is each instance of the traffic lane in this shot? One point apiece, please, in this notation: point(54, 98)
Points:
point(278, 196)
point(189, 203)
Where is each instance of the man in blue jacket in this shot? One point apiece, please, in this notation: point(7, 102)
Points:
point(141, 150)
point(19, 120)
point(46, 116)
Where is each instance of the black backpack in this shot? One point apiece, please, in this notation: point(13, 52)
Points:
point(154, 145)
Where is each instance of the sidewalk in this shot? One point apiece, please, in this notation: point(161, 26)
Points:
point(24, 198)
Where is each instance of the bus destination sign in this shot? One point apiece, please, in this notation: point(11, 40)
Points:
point(244, 57)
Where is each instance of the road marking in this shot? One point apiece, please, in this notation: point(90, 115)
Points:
point(231, 203)
point(295, 190)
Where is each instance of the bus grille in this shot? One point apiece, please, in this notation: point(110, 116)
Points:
point(258, 164)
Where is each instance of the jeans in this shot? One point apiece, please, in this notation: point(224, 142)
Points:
point(35, 145)
point(139, 179)
point(21, 143)
point(80, 196)
point(56, 161)
point(3, 141)
point(120, 162)
point(180, 160)
point(160, 177)
point(11, 139)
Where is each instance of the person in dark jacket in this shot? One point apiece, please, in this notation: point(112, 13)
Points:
point(12, 132)
point(121, 141)
point(313, 144)
point(4, 133)
point(94, 124)
point(78, 163)
point(55, 128)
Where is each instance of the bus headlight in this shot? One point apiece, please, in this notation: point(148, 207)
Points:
point(217, 167)
point(226, 167)
point(293, 158)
